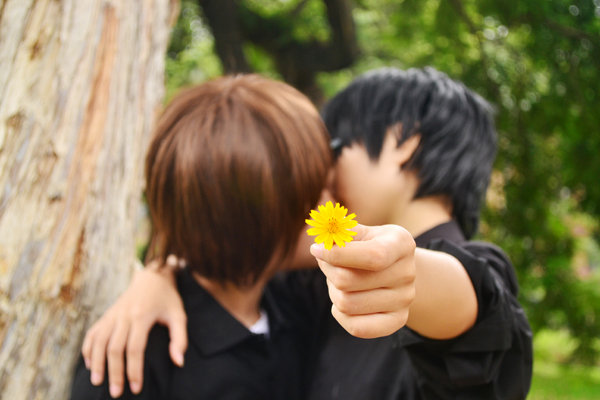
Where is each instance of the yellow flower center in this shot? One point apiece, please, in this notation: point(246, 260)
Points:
point(332, 225)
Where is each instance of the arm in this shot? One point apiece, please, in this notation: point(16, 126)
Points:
point(380, 283)
point(445, 305)
point(487, 353)
point(494, 357)
point(151, 298)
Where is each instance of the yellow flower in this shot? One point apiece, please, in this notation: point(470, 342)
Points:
point(331, 224)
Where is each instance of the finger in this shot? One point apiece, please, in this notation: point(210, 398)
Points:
point(179, 341)
point(353, 280)
point(370, 301)
point(136, 345)
point(376, 251)
point(372, 325)
point(115, 357)
point(98, 358)
point(86, 347)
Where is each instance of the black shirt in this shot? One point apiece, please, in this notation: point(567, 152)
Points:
point(224, 359)
point(493, 360)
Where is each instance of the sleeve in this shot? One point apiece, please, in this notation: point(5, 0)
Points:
point(157, 373)
point(493, 360)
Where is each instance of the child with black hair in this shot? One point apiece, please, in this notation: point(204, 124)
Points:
point(416, 149)
point(413, 149)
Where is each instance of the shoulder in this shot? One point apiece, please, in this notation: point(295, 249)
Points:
point(296, 283)
point(302, 294)
point(486, 250)
point(157, 362)
point(481, 260)
point(498, 260)
point(158, 338)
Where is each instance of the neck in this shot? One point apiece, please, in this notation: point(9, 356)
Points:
point(422, 214)
point(242, 303)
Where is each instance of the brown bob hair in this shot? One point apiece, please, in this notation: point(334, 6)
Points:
point(233, 168)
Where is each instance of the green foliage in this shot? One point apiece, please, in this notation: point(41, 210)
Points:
point(537, 61)
point(554, 377)
point(307, 18)
point(190, 57)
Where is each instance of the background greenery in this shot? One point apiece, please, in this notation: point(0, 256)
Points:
point(536, 60)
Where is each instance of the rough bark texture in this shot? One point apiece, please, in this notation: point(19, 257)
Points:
point(81, 82)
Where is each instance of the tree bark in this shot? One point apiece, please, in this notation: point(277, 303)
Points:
point(81, 82)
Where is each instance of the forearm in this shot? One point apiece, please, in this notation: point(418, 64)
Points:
point(445, 305)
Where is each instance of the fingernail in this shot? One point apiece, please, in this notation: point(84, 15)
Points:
point(115, 391)
point(317, 250)
point(96, 379)
point(86, 361)
point(135, 387)
point(179, 359)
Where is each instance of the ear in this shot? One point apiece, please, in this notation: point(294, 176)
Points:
point(407, 149)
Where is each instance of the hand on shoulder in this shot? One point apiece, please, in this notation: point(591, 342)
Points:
point(151, 298)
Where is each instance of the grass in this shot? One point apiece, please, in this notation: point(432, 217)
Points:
point(554, 378)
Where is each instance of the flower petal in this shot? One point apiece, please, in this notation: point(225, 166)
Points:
point(344, 235)
point(344, 212)
point(348, 224)
point(329, 207)
point(317, 217)
point(316, 224)
point(321, 238)
point(315, 231)
point(329, 242)
point(338, 240)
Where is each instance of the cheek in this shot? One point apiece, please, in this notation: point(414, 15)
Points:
point(353, 190)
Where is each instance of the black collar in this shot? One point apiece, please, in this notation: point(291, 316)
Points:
point(211, 328)
point(449, 230)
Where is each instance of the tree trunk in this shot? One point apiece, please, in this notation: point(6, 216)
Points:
point(229, 39)
point(81, 82)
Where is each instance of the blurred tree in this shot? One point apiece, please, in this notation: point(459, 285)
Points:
point(300, 46)
point(537, 60)
point(80, 85)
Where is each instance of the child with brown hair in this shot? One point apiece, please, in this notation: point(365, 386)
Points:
point(234, 167)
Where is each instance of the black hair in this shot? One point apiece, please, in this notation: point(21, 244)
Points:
point(458, 138)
